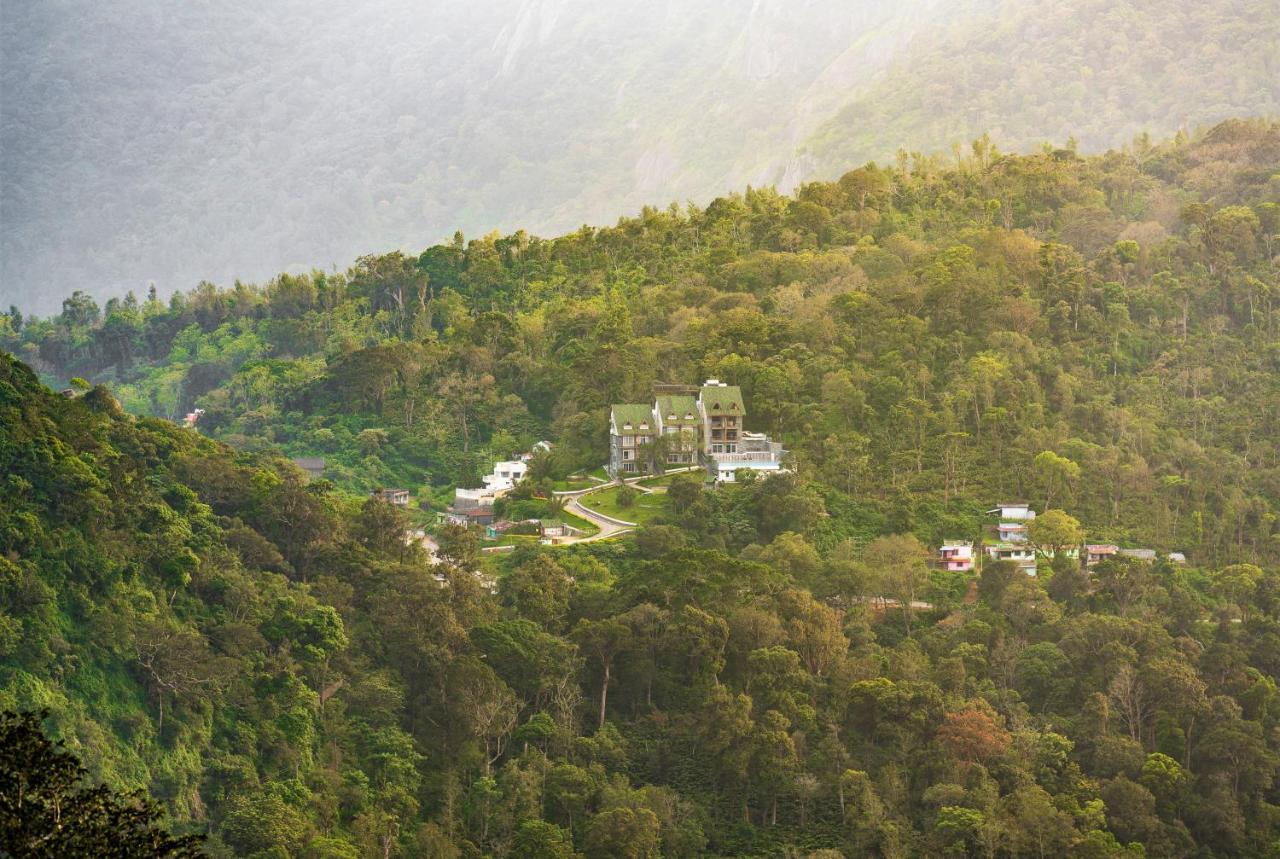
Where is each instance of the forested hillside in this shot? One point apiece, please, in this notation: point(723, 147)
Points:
point(767, 668)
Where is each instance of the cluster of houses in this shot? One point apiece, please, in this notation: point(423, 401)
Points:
point(1013, 544)
point(475, 506)
point(686, 426)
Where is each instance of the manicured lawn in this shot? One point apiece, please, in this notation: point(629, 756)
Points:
point(573, 483)
point(647, 507)
point(599, 472)
point(578, 522)
point(664, 480)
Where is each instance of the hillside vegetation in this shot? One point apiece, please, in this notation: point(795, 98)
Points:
point(765, 668)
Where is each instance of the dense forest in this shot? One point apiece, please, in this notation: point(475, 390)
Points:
point(769, 668)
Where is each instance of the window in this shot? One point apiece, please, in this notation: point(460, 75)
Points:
point(628, 441)
point(628, 454)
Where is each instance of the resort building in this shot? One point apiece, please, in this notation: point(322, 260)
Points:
point(687, 426)
point(313, 466)
point(631, 431)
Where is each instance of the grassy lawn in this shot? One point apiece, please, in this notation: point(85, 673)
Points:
point(599, 472)
point(572, 484)
point(645, 510)
point(578, 522)
point(664, 480)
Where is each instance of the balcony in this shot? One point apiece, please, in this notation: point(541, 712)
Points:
point(748, 456)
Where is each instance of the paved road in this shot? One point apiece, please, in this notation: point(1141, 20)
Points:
point(608, 528)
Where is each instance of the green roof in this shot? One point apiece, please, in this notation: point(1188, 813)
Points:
point(678, 405)
point(722, 400)
point(634, 414)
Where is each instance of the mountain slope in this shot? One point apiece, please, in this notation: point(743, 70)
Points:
point(236, 140)
point(1099, 72)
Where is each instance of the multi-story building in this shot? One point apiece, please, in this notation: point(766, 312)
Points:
point(631, 430)
point(707, 429)
point(678, 425)
point(956, 556)
point(506, 475)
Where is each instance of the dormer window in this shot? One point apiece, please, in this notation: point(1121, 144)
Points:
point(627, 426)
point(671, 416)
point(644, 426)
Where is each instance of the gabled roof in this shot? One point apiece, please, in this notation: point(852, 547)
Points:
point(682, 406)
point(722, 400)
point(634, 414)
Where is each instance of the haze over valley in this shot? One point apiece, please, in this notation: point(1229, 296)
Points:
point(180, 142)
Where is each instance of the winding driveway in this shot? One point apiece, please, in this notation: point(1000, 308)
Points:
point(609, 526)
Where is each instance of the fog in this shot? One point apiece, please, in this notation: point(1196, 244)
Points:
point(178, 142)
point(173, 142)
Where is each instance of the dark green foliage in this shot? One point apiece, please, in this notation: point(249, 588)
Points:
point(47, 811)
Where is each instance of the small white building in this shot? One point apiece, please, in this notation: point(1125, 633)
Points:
point(540, 447)
point(1011, 512)
point(1012, 532)
point(505, 475)
point(1021, 554)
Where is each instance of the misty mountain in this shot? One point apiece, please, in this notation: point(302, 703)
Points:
point(1028, 72)
point(216, 140)
point(213, 141)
